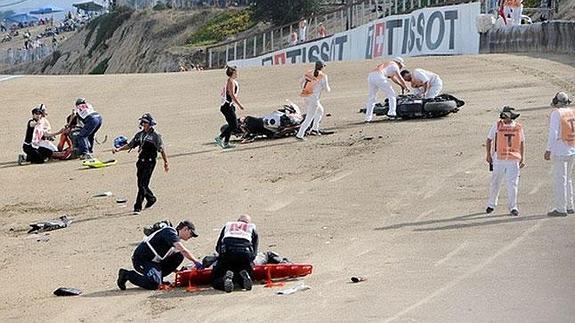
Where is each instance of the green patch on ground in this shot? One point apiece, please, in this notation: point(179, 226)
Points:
point(221, 27)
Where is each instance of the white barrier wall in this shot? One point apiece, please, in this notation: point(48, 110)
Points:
point(446, 30)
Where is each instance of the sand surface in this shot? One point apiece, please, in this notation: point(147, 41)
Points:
point(404, 209)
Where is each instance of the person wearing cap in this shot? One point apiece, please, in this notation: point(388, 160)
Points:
point(561, 149)
point(92, 121)
point(149, 143)
point(505, 149)
point(229, 100)
point(426, 84)
point(159, 255)
point(378, 80)
point(237, 247)
point(313, 83)
point(37, 146)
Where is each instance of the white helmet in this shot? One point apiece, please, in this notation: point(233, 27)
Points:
point(399, 61)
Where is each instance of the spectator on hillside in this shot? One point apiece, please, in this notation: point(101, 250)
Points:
point(3, 27)
point(321, 31)
point(302, 30)
point(293, 38)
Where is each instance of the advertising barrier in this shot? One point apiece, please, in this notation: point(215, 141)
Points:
point(446, 30)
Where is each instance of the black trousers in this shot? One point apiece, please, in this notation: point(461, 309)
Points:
point(145, 168)
point(235, 262)
point(36, 155)
point(229, 111)
point(149, 274)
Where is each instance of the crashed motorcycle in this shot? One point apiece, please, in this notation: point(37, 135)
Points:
point(283, 122)
point(413, 107)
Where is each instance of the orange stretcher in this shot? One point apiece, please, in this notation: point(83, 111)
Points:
point(269, 272)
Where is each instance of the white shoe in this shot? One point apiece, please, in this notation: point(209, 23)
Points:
point(300, 138)
point(21, 159)
point(86, 157)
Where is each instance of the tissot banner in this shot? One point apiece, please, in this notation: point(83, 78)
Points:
point(446, 30)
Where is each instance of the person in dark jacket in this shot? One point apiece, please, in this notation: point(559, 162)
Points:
point(237, 247)
point(149, 143)
point(159, 255)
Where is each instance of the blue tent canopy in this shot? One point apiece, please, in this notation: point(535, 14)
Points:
point(21, 18)
point(89, 6)
point(45, 10)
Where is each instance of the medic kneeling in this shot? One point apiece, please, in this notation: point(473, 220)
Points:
point(237, 247)
point(158, 256)
point(505, 152)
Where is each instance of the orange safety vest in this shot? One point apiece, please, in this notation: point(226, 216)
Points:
point(381, 67)
point(310, 82)
point(567, 125)
point(512, 3)
point(508, 141)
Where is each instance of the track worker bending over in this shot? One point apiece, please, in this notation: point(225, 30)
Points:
point(426, 84)
point(505, 151)
point(561, 148)
point(237, 248)
point(229, 99)
point(149, 143)
point(313, 82)
point(92, 121)
point(159, 255)
point(378, 80)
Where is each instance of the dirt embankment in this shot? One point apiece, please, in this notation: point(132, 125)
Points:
point(126, 42)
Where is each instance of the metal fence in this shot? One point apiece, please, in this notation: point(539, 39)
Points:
point(342, 19)
point(22, 55)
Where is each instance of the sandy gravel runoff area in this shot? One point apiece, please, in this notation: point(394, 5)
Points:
point(404, 209)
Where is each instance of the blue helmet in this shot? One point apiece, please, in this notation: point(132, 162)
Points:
point(120, 141)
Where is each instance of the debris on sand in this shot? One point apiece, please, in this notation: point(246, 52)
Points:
point(67, 291)
point(294, 289)
point(50, 225)
point(358, 279)
point(103, 194)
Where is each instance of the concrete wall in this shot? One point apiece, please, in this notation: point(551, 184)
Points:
point(549, 37)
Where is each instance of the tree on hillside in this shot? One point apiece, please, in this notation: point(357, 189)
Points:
point(281, 12)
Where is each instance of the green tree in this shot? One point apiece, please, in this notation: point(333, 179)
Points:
point(285, 11)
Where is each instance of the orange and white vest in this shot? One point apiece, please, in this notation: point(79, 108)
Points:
point(508, 141)
point(310, 82)
point(567, 125)
point(83, 110)
point(384, 68)
point(240, 230)
point(512, 3)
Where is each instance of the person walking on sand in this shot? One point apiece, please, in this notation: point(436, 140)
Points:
point(313, 83)
point(229, 100)
point(150, 143)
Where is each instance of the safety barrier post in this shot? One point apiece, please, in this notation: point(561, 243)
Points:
point(227, 53)
point(263, 43)
point(235, 50)
point(210, 58)
point(245, 47)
